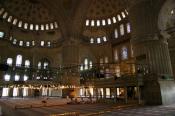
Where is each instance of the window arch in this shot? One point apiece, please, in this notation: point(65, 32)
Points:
point(47, 26)
point(87, 64)
point(122, 30)
point(119, 17)
point(87, 22)
point(20, 24)
point(42, 27)
point(114, 19)
point(51, 26)
point(103, 22)
point(27, 63)
point(116, 33)
point(9, 61)
point(1, 34)
point(17, 77)
point(25, 25)
point(37, 27)
point(109, 21)
point(7, 77)
point(5, 15)
point(10, 19)
point(92, 23)
point(123, 15)
point(21, 43)
point(98, 40)
point(56, 24)
point(14, 21)
point(31, 26)
point(128, 26)
point(98, 23)
point(43, 63)
point(18, 60)
point(116, 55)
point(14, 41)
point(92, 40)
point(124, 52)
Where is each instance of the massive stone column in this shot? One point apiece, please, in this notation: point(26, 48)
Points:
point(151, 50)
point(171, 43)
point(70, 58)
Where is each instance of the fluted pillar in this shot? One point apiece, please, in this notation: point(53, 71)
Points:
point(171, 43)
point(151, 50)
point(70, 58)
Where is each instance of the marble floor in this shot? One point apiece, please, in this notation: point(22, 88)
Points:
point(83, 109)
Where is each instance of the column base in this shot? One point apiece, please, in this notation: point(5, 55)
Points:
point(160, 92)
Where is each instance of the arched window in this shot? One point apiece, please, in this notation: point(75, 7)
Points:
point(116, 33)
point(115, 55)
point(39, 65)
point(1, 34)
point(117, 71)
point(124, 53)
point(25, 25)
point(106, 60)
point(27, 63)
point(114, 19)
point(92, 23)
point(14, 41)
point(98, 23)
point(37, 27)
point(48, 43)
point(42, 27)
point(87, 64)
point(17, 77)
point(126, 11)
point(128, 27)
point(20, 24)
point(90, 64)
point(101, 61)
point(5, 15)
point(51, 26)
point(27, 43)
point(123, 15)
point(46, 64)
point(20, 43)
point(15, 21)
point(33, 43)
point(25, 77)
point(47, 26)
point(87, 22)
point(109, 21)
point(98, 40)
point(19, 60)
point(9, 61)
point(92, 40)
point(31, 26)
point(119, 17)
point(56, 24)
point(103, 22)
point(122, 30)
point(42, 43)
point(5, 92)
point(104, 39)
point(15, 92)
point(9, 19)
point(7, 77)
